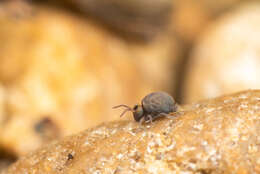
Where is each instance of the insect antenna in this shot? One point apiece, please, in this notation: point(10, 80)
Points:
point(127, 109)
point(118, 106)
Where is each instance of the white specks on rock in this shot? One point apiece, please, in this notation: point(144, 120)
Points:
point(198, 126)
point(171, 146)
point(50, 159)
point(96, 172)
point(100, 132)
point(197, 105)
point(158, 167)
point(224, 136)
point(228, 100)
point(209, 110)
point(119, 156)
point(184, 149)
point(204, 143)
point(243, 106)
point(150, 147)
point(233, 133)
point(256, 98)
point(243, 96)
point(191, 166)
point(210, 150)
point(252, 148)
point(256, 108)
point(244, 137)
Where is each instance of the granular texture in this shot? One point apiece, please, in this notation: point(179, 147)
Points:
point(215, 136)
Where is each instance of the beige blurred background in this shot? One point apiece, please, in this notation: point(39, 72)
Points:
point(65, 63)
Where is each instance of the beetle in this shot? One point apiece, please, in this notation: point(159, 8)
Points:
point(153, 105)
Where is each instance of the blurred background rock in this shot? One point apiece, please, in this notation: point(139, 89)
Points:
point(65, 63)
point(227, 57)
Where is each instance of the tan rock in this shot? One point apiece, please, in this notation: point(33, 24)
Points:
point(190, 18)
point(227, 57)
point(2, 106)
point(60, 73)
point(214, 136)
point(136, 19)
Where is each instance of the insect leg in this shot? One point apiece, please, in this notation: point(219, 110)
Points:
point(125, 112)
point(142, 120)
point(149, 119)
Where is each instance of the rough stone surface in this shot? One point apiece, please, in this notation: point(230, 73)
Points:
point(215, 136)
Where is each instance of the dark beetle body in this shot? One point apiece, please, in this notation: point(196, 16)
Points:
point(157, 104)
point(153, 105)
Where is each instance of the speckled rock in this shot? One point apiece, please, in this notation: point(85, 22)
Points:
point(227, 58)
point(215, 136)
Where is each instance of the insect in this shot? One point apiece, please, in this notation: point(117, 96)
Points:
point(154, 105)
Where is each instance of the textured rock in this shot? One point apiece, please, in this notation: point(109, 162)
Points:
point(227, 58)
point(215, 136)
